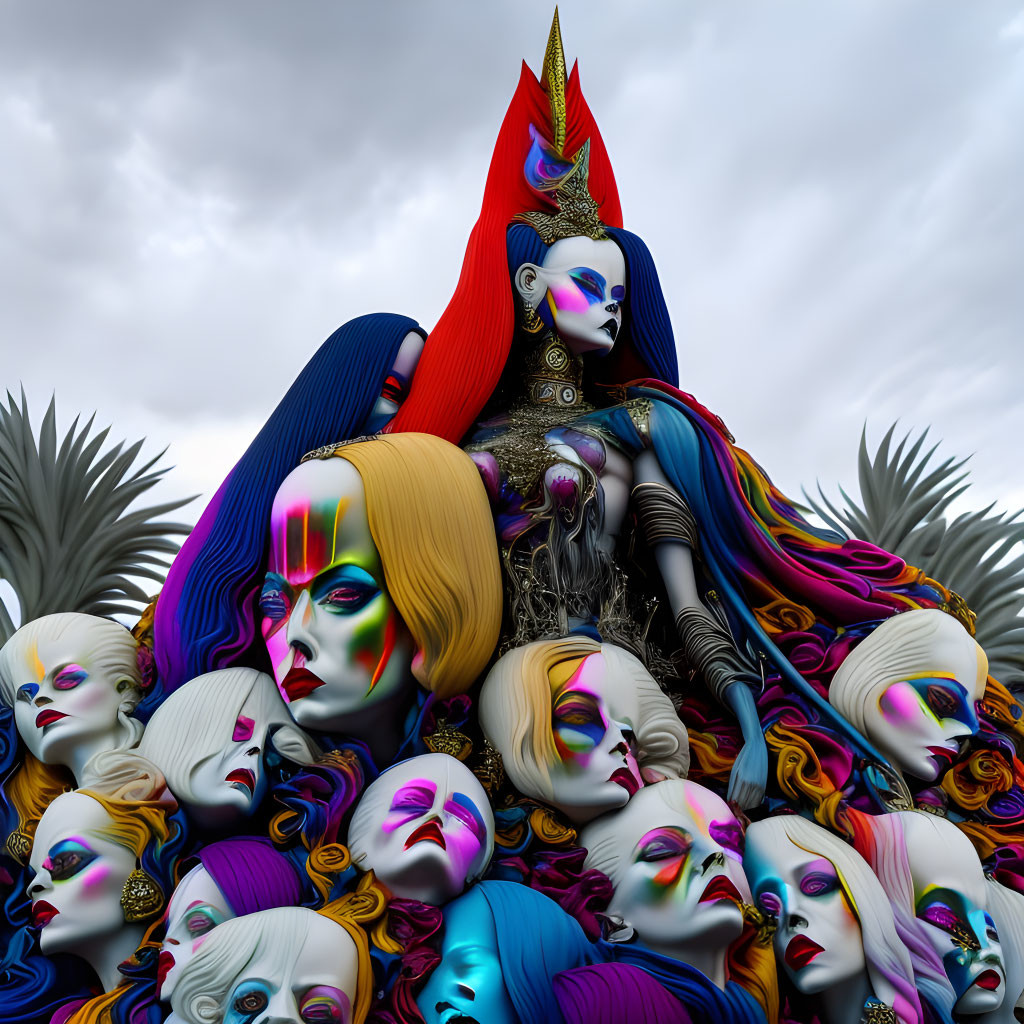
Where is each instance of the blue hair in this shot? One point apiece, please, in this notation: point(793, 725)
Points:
point(647, 329)
point(536, 941)
point(206, 617)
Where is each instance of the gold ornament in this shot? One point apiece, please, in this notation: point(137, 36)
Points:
point(878, 1013)
point(141, 897)
point(490, 770)
point(553, 80)
point(19, 846)
point(446, 739)
point(578, 211)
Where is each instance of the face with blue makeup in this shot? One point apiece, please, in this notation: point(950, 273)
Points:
point(580, 289)
point(336, 641)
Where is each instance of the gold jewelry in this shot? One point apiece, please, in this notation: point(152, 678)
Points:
point(490, 769)
point(446, 739)
point(141, 897)
point(19, 846)
point(553, 375)
point(878, 1013)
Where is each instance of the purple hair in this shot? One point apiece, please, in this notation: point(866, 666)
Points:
point(609, 993)
point(251, 874)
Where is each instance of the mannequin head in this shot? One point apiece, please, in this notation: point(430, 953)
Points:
point(834, 920)
point(383, 567)
point(425, 828)
point(208, 739)
point(910, 687)
point(673, 855)
point(503, 945)
point(233, 878)
point(575, 721)
point(73, 682)
point(1006, 906)
point(288, 965)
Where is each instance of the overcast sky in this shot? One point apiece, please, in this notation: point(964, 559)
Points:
point(193, 196)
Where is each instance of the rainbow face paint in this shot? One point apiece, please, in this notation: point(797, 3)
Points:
point(337, 643)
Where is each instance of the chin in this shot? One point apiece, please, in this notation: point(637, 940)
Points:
point(818, 976)
point(981, 1000)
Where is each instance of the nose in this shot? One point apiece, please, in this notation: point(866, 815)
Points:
point(40, 884)
point(713, 860)
point(41, 700)
point(282, 1009)
point(612, 307)
point(298, 634)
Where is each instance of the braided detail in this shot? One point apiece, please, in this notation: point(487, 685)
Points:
point(664, 515)
point(711, 651)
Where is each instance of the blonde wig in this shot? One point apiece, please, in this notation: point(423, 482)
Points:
point(900, 648)
point(888, 962)
point(431, 523)
point(207, 980)
point(517, 695)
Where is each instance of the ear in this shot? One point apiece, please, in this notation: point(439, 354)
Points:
point(530, 285)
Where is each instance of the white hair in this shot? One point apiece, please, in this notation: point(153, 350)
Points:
point(515, 711)
point(897, 649)
point(888, 962)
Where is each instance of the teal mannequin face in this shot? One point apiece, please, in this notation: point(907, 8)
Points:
point(467, 984)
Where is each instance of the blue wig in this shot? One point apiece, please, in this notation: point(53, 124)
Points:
point(536, 941)
point(206, 618)
point(647, 329)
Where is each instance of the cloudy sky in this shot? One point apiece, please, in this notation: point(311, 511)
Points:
point(193, 196)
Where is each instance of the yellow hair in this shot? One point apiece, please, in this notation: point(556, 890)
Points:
point(750, 962)
point(30, 790)
point(134, 823)
point(431, 523)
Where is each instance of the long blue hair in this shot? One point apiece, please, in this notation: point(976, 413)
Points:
point(205, 618)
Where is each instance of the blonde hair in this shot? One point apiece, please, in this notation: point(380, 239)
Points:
point(30, 790)
point(897, 649)
point(888, 962)
point(431, 523)
point(515, 710)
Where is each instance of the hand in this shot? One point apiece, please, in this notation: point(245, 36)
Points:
point(749, 774)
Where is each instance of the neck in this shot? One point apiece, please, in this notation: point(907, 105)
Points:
point(709, 960)
point(552, 373)
point(85, 751)
point(843, 1003)
point(381, 726)
point(103, 955)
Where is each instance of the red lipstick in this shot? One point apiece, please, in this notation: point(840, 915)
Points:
point(626, 779)
point(430, 832)
point(988, 980)
point(43, 914)
point(299, 683)
point(48, 717)
point(801, 951)
point(721, 888)
point(164, 963)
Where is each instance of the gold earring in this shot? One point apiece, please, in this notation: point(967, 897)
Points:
point(531, 320)
point(141, 897)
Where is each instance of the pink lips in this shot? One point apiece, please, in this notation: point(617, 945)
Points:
point(626, 779)
point(48, 717)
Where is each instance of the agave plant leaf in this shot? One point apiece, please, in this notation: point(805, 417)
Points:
point(71, 536)
point(904, 504)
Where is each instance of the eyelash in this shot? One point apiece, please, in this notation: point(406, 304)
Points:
point(770, 904)
point(67, 864)
point(274, 603)
point(69, 680)
point(348, 599)
point(941, 916)
point(940, 701)
point(199, 924)
point(818, 884)
point(663, 849)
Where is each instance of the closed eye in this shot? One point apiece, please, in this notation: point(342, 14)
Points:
point(275, 598)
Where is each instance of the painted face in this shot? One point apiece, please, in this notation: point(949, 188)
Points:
point(196, 907)
point(230, 783)
point(425, 828)
point(78, 875)
point(65, 707)
point(336, 640)
point(818, 939)
point(316, 983)
point(677, 867)
point(584, 282)
point(396, 384)
point(950, 899)
point(592, 723)
point(467, 984)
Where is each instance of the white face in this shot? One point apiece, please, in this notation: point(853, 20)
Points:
point(678, 874)
point(336, 640)
point(583, 284)
point(396, 386)
point(230, 783)
point(64, 702)
point(427, 831)
point(951, 902)
point(315, 984)
point(592, 722)
point(77, 876)
point(196, 907)
point(818, 940)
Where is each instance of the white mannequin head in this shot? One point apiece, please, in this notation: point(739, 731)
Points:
point(287, 966)
point(425, 828)
point(73, 682)
point(575, 721)
point(1006, 906)
point(673, 855)
point(208, 739)
point(582, 282)
point(834, 919)
point(910, 687)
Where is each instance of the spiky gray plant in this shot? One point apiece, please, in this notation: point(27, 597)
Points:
point(67, 540)
point(978, 554)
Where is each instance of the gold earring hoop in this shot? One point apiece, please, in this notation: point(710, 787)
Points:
point(141, 897)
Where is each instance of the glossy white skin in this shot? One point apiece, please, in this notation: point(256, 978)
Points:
point(406, 361)
point(197, 901)
point(941, 856)
point(89, 922)
point(423, 871)
point(285, 971)
point(780, 867)
point(668, 916)
point(330, 637)
point(582, 330)
point(92, 706)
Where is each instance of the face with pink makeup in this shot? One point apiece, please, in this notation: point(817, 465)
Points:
point(580, 288)
point(337, 643)
point(674, 856)
point(77, 876)
point(425, 828)
point(196, 907)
